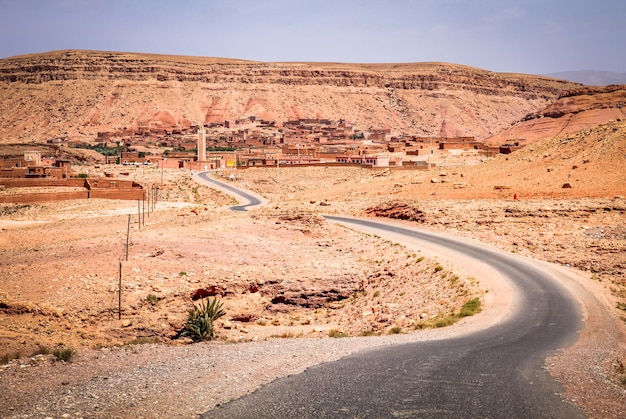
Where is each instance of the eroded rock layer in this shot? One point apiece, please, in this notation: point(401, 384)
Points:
point(79, 93)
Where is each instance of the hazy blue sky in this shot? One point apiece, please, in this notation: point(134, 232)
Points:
point(528, 36)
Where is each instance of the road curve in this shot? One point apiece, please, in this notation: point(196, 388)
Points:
point(495, 372)
point(246, 199)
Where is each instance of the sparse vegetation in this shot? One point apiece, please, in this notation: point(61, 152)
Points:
point(445, 321)
point(286, 335)
point(470, 308)
point(395, 330)
point(334, 333)
point(152, 299)
point(199, 326)
point(6, 358)
point(438, 268)
point(105, 151)
point(64, 354)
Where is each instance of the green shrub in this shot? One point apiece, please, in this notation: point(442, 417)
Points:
point(199, 326)
point(438, 268)
point(64, 354)
point(152, 299)
point(396, 330)
point(470, 308)
point(446, 321)
point(334, 333)
point(370, 333)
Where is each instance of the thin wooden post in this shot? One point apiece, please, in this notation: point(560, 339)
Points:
point(127, 237)
point(139, 213)
point(143, 210)
point(119, 299)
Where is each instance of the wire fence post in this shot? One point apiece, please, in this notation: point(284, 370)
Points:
point(127, 237)
point(143, 210)
point(119, 299)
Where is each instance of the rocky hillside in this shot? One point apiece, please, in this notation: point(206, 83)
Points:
point(578, 110)
point(76, 94)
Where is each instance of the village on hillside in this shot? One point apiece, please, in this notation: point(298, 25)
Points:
point(252, 142)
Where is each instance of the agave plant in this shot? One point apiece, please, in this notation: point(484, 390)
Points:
point(199, 326)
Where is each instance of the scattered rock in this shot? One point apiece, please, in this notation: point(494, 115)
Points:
point(209, 291)
point(397, 210)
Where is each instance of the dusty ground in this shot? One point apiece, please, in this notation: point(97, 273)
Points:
point(282, 272)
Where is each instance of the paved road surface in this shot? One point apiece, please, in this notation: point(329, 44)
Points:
point(246, 199)
point(493, 373)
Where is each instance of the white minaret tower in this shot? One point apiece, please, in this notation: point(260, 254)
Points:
point(201, 143)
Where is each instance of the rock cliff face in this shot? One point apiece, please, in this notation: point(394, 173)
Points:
point(78, 93)
point(580, 109)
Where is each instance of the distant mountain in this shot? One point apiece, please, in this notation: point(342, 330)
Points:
point(591, 78)
point(78, 94)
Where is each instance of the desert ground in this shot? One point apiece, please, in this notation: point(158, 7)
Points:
point(291, 282)
point(297, 290)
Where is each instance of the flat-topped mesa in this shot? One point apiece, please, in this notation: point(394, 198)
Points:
point(93, 65)
point(77, 94)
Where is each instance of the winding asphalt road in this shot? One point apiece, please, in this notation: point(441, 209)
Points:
point(246, 199)
point(496, 372)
